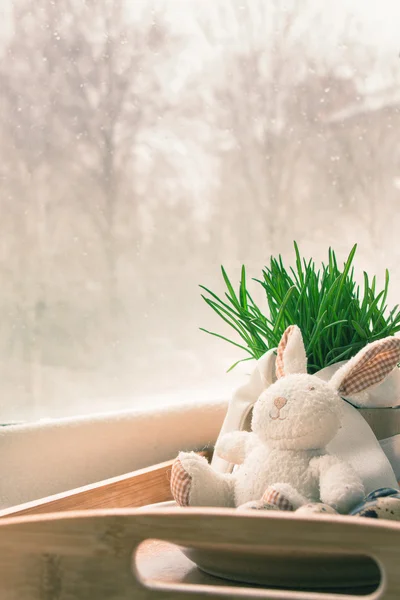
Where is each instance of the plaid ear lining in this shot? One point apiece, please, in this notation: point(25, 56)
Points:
point(372, 368)
point(279, 369)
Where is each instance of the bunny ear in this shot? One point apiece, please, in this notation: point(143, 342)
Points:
point(291, 356)
point(368, 368)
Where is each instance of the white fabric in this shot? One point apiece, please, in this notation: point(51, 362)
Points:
point(51, 457)
point(391, 447)
point(356, 444)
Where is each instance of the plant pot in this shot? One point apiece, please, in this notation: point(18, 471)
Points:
point(357, 440)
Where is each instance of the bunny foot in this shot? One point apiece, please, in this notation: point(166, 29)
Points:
point(284, 496)
point(181, 483)
point(195, 483)
point(279, 496)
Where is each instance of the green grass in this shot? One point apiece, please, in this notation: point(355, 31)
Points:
point(335, 318)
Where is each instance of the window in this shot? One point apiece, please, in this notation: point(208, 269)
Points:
point(143, 144)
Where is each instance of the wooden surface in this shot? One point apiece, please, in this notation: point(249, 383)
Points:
point(88, 554)
point(138, 488)
point(131, 490)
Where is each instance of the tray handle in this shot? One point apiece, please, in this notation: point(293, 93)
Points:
point(213, 528)
point(87, 554)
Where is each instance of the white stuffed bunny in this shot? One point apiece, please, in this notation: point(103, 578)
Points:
point(283, 461)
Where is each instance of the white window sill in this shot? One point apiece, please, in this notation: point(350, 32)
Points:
point(52, 456)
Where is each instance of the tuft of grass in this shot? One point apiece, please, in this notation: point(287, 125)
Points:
point(335, 318)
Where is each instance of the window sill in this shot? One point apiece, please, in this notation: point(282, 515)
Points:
point(50, 457)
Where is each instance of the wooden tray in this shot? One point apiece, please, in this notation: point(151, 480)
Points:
point(88, 553)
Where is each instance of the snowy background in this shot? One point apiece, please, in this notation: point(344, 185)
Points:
point(145, 143)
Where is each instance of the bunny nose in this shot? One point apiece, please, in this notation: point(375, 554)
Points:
point(280, 402)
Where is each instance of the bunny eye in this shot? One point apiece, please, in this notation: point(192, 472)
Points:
point(311, 388)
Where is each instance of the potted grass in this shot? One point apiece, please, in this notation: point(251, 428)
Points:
point(337, 319)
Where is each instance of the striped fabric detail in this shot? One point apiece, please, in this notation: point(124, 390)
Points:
point(273, 497)
point(180, 484)
point(372, 367)
point(279, 366)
